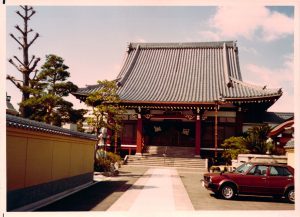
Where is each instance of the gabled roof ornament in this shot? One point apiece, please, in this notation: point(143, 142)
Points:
point(235, 48)
point(129, 48)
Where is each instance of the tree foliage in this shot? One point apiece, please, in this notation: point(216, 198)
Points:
point(233, 147)
point(256, 139)
point(24, 65)
point(106, 110)
point(50, 86)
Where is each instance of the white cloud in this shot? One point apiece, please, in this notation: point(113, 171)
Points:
point(247, 21)
point(275, 78)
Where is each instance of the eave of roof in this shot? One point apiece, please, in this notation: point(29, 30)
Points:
point(22, 123)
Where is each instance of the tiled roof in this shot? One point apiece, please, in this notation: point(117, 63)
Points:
point(281, 127)
point(277, 117)
point(184, 73)
point(18, 122)
point(10, 108)
point(88, 89)
point(290, 144)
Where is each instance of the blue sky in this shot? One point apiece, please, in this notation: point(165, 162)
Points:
point(93, 40)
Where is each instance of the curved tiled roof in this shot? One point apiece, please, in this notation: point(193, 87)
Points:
point(18, 122)
point(290, 144)
point(184, 73)
point(281, 127)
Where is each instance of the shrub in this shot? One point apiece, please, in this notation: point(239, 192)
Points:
point(233, 147)
point(103, 162)
point(256, 139)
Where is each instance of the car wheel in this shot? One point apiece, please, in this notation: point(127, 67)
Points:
point(290, 195)
point(227, 192)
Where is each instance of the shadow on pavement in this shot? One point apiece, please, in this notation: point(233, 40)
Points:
point(88, 198)
point(254, 198)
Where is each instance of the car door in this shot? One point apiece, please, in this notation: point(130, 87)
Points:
point(254, 181)
point(279, 177)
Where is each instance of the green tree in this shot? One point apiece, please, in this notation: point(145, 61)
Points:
point(106, 109)
point(234, 146)
point(49, 88)
point(25, 65)
point(256, 139)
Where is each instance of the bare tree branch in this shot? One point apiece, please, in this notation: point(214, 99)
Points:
point(18, 12)
point(32, 58)
point(35, 63)
point(23, 7)
point(32, 13)
point(18, 28)
point(13, 80)
point(35, 37)
point(16, 39)
point(19, 61)
point(15, 65)
point(30, 30)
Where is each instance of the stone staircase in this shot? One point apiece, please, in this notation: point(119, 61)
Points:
point(179, 157)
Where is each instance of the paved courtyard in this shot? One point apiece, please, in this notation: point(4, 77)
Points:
point(165, 189)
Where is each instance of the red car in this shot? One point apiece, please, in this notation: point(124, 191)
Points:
point(253, 179)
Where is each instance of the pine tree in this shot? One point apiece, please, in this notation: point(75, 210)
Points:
point(25, 66)
point(51, 86)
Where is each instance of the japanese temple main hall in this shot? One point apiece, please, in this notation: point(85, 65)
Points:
point(186, 95)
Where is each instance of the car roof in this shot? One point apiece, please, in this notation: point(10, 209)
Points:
point(268, 164)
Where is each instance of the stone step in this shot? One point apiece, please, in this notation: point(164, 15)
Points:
point(168, 161)
point(171, 151)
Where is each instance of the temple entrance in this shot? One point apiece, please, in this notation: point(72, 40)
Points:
point(169, 133)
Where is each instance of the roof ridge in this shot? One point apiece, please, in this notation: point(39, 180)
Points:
point(92, 85)
point(216, 44)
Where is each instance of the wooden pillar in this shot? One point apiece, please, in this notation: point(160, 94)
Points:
point(198, 136)
point(239, 122)
point(139, 131)
point(216, 130)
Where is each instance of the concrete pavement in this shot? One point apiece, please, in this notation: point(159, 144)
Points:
point(157, 189)
point(160, 189)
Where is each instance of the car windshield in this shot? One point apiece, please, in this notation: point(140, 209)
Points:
point(243, 168)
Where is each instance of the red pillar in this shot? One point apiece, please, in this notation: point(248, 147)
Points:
point(216, 131)
point(239, 122)
point(198, 136)
point(139, 130)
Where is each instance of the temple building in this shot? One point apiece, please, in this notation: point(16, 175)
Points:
point(186, 95)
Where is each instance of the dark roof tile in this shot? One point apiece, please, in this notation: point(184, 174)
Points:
point(184, 73)
point(18, 122)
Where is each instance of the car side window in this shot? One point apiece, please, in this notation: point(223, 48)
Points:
point(279, 171)
point(258, 171)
